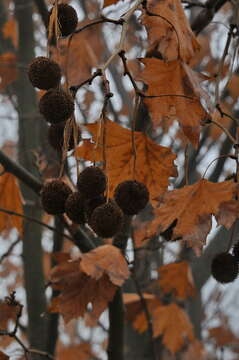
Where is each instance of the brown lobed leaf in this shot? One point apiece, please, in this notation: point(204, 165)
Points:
point(110, 2)
point(106, 259)
point(177, 79)
point(190, 209)
point(82, 351)
point(8, 69)
point(177, 279)
point(170, 322)
point(222, 335)
point(10, 31)
point(3, 356)
point(82, 55)
point(10, 199)
point(8, 312)
point(169, 31)
point(154, 163)
point(88, 280)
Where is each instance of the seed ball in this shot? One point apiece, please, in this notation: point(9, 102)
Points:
point(56, 106)
point(56, 136)
point(44, 73)
point(106, 220)
point(91, 182)
point(74, 207)
point(224, 268)
point(53, 196)
point(67, 19)
point(235, 251)
point(131, 196)
point(91, 204)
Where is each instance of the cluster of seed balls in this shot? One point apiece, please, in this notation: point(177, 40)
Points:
point(225, 266)
point(55, 105)
point(89, 205)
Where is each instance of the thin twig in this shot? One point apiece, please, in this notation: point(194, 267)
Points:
point(10, 249)
point(233, 140)
point(29, 218)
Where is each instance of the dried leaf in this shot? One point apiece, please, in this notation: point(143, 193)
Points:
point(154, 163)
point(8, 70)
point(175, 78)
point(82, 55)
point(223, 335)
point(78, 290)
point(195, 350)
point(110, 2)
point(177, 279)
point(82, 351)
point(106, 259)
point(10, 31)
point(10, 199)
point(3, 356)
point(8, 312)
point(169, 31)
point(91, 279)
point(170, 322)
point(190, 209)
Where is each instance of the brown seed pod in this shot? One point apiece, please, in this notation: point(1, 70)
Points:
point(56, 136)
point(44, 73)
point(91, 182)
point(74, 207)
point(56, 106)
point(107, 219)
point(132, 196)
point(91, 204)
point(224, 268)
point(67, 19)
point(53, 196)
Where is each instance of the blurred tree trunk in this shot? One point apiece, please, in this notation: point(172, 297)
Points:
point(29, 141)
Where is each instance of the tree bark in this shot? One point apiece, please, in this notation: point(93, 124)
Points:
point(28, 143)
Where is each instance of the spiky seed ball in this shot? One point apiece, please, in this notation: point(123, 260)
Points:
point(224, 268)
point(67, 19)
point(53, 196)
point(91, 182)
point(236, 251)
point(56, 136)
point(74, 207)
point(44, 73)
point(132, 196)
point(56, 106)
point(91, 204)
point(106, 220)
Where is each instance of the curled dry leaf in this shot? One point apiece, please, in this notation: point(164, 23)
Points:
point(177, 279)
point(169, 31)
point(105, 259)
point(3, 356)
point(70, 53)
point(10, 199)
point(8, 312)
point(77, 290)
point(190, 209)
point(90, 279)
point(170, 322)
point(223, 336)
point(154, 163)
point(8, 69)
point(10, 31)
point(175, 78)
point(82, 351)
